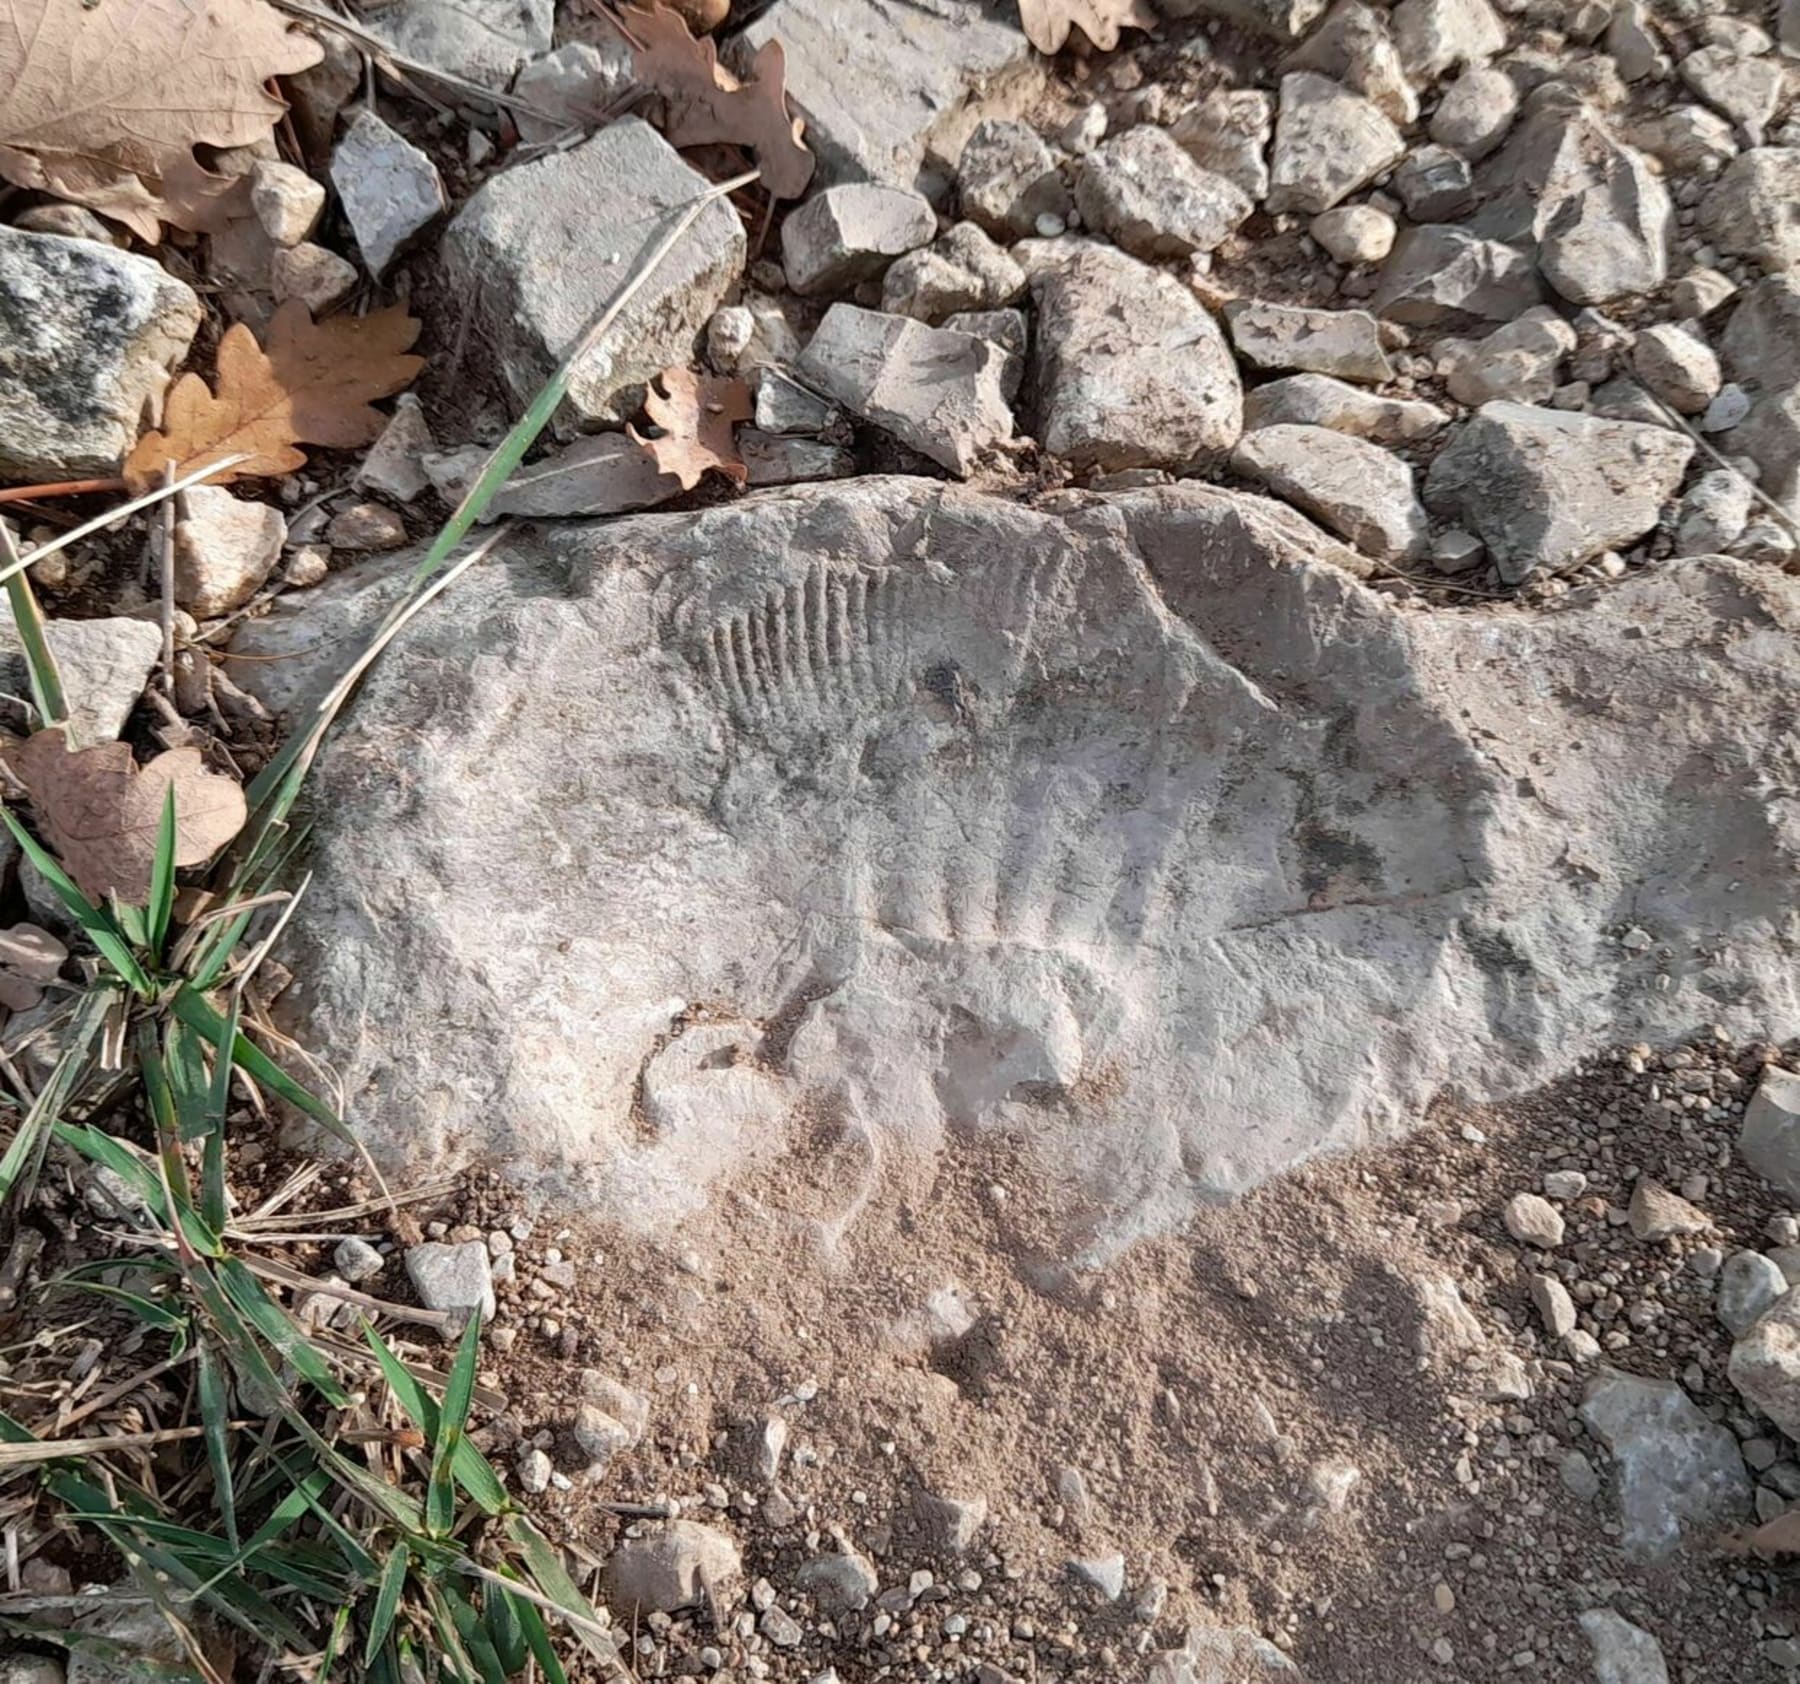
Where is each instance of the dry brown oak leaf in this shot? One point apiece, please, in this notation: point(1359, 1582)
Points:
point(312, 383)
point(99, 811)
point(1047, 22)
point(103, 101)
point(705, 105)
point(696, 417)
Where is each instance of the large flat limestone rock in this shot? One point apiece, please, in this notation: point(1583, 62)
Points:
point(839, 826)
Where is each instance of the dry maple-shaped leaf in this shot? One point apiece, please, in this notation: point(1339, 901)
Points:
point(1047, 22)
point(312, 383)
point(705, 105)
point(103, 102)
point(696, 416)
point(99, 811)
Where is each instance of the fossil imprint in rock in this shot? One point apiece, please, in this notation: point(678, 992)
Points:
point(854, 820)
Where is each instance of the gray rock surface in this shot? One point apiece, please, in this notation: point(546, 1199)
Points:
point(1713, 513)
point(1343, 343)
point(1354, 233)
point(965, 270)
point(1753, 210)
point(1434, 184)
point(89, 337)
point(1316, 400)
point(934, 390)
point(225, 547)
point(1546, 489)
point(390, 190)
point(682, 1566)
point(455, 1278)
point(1149, 196)
point(1769, 1141)
point(846, 234)
point(1674, 1471)
point(1623, 1653)
point(1475, 112)
point(600, 474)
point(1678, 366)
point(1351, 487)
point(1442, 276)
point(483, 41)
point(890, 92)
point(105, 665)
point(1518, 362)
point(921, 771)
point(1285, 20)
point(1749, 1284)
point(1328, 143)
point(1438, 35)
point(1007, 178)
point(1354, 46)
point(541, 249)
point(1228, 133)
point(1765, 1363)
point(775, 459)
point(1131, 370)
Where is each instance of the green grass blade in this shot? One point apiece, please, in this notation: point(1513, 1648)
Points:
point(453, 1417)
point(46, 680)
point(214, 1200)
point(147, 1310)
point(537, 1638)
point(475, 1641)
point(99, 928)
point(275, 1326)
point(505, 1630)
point(334, 1645)
point(25, 1152)
point(162, 879)
point(387, 1599)
point(552, 1578)
point(131, 920)
point(472, 1469)
point(201, 1015)
point(215, 1407)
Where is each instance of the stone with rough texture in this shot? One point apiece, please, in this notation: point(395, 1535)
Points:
point(1228, 133)
point(1008, 329)
point(394, 466)
point(599, 474)
point(1475, 112)
point(1678, 366)
point(950, 1525)
point(1713, 513)
point(1517, 362)
point(1351, 487)
point(1531, 1219)
point(1354, 233)
point(105, 665)
point(1437, 35)
point(1131, 369)
point(454, 1278)
point(1434, 184)
point(1285, 20)
point(1316, 400)
point(1596, 213)
point(286, 200)
point(934, 390)
point(1147, 194)
point(317, 277)
point(1444, 277)
point(891, 92)
point(1353, 46)
point(851, 233)
point(1745, 89)
point(1328, 143)
point(564, 90)
point(685, 1565)
point(483, 41)
point(543, 248)
point(1546, 489)
point(1674, 1470)
point(841, 1583)
point(1753, 210)
point(1623, 1653)
point(923, 772)
point(390, 190)
point(1689, 139)
point(1765, 1363)
point(1769, 1141)
point(1343, 343)
point(1555, 1308)
point(1658, 1214)
point(964, 270)
point(89, 336)
point(225, 547)
point(1749, 1284)
point(1007, 178)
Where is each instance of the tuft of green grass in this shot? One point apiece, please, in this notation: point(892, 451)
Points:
point(397, 1556)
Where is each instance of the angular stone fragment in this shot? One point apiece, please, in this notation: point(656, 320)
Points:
point(1228, 133)
point(950, 1524)
point(770, 459)
point(1007, 329)
point(1546, 489)
point(542, 248)
point(483, 41)
point(964, 270)
point(1714, 511)
point(1354, 233)
point(1007, 178)
point(564, 92)
point(1445, 277)
point(1353, 46)
point(1531, 1219)
point(1437, 35)
point(1353, 488)
point(1345, 343)
point(89, 337)
point(783, 405)
point(602, 474)
point(1749, 1284)
point(286, 200)
point(934, 390)
point(1555, 1308)
point(1753, 210)
point(1657, 1214)
point(1314, 400)
point(1518, 361)
point(848, 234)
point(1632, 44)
point(394, 466)
point(1623, 1653)
point(225, 547)
point(1434, 184)
point(1674, 1471)
point(105, 665)
point(1769, 1141)
point(1678, 366)
point(685, 1565)
point(390, 190)
point(891, 92)
point(1475, 112)
point(1131, 370)
point(1689, 139)
point(457, 1279)
point(1765, 1363)
point(317, 277)
point(1149, 196)
point(1328, 143)
point(1747, 90)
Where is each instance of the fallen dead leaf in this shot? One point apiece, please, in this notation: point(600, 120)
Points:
point(103, 104)
point(99, 811)
point(312, 383)
point(705, 105)
point(701, 16)
point(696, 413)
point(1047, 22)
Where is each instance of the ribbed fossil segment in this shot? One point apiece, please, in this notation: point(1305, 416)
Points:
point(841, 825)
